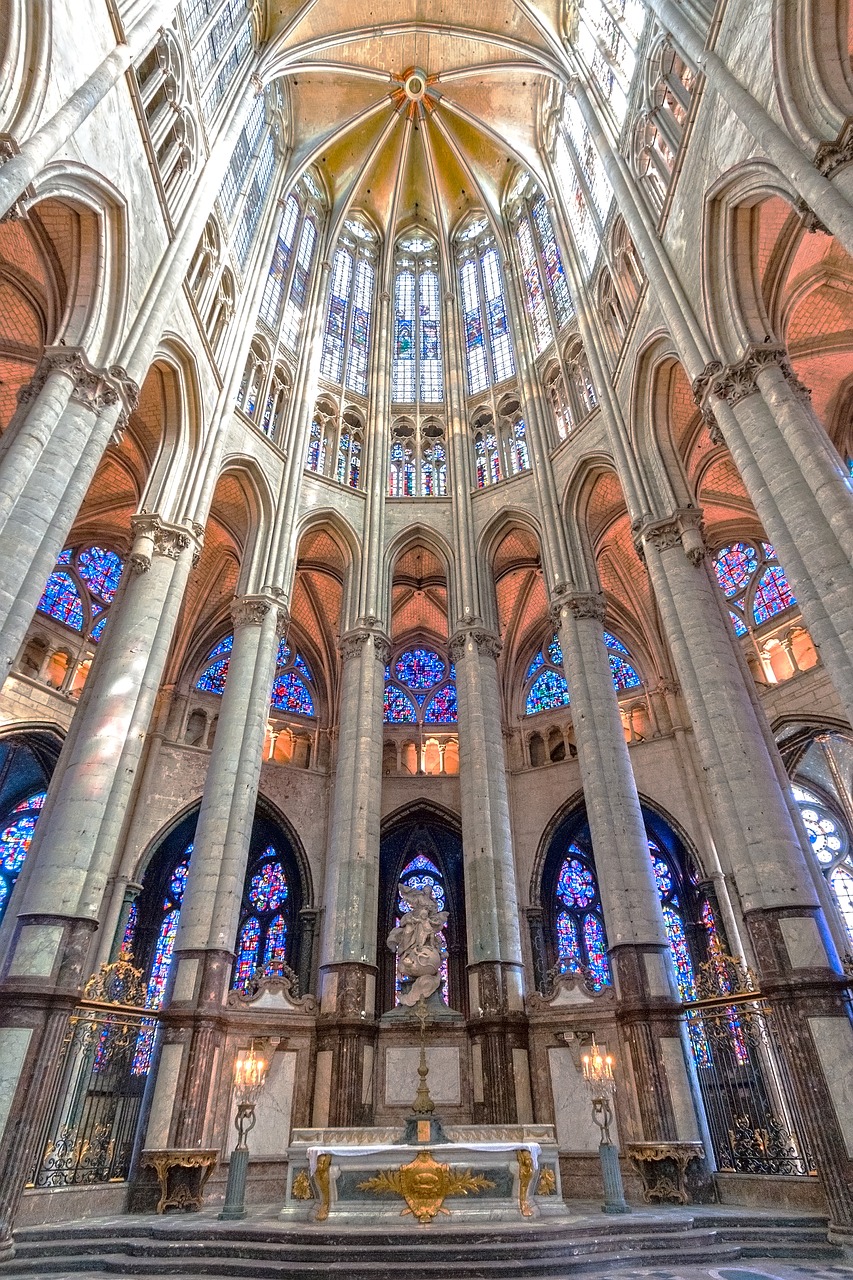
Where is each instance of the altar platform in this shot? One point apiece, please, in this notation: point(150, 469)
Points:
point(462, 1173)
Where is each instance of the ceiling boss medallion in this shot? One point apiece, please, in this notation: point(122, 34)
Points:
point(414, 84)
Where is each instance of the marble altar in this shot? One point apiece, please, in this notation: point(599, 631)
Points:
point(478, 1173)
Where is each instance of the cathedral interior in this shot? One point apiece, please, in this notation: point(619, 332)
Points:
point(426, 466)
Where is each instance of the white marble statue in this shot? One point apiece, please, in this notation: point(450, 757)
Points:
point(417, 944)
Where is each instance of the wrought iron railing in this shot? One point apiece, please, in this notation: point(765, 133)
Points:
point(750, 1108)
point(92, 1127)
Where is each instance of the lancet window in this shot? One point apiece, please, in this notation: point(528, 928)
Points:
point(420, 688)
point(488, 345)
point(754, 584)
point(659, 131)
point(81, 589)
point(545, 687)
point(15, 840)
point(417, 364)
point(831, 846)
point(346, 338)
point(221, 37)
point(265, 929)
point(264, 391)
point(500, 450)
point(547, 298)
point(606, 40)
point(579, 937)
point(417, 462)
point(588, 194)
point(168, 108)
point(288, 279)
point(293, 692)
point(248, 179)
point(335, 448)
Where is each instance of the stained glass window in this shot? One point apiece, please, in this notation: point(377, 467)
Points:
point(545, 684)
point(422, 873)
point(291, 693)
point(161, 962)
point(15, 840)
point(262, 938)
point(580, 939)
point(81, 588)
point(552, 262)
point(293, 311)
point(488, 344)
point(332, 360)
point(831, 845)
point(359, 349)
point(419, 688)
point(274, 288)
point(537, 307)
point(754, 584)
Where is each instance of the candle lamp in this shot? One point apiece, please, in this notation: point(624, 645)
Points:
point(598, 1070)
point(250, 1073)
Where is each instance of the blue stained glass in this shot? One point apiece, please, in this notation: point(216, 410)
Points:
point(624, 675)
point(681, 955)
point(663, 876)
point(596, 952)
point(98, 629)
point(65, 557)
point(420, 862)
point(283, 655)
point(162, 959)
point(32, 802)
point(398, 709)
point(302, 666)
point(214, 676)
point(275, 948)
point(130, 930)
point(15, 841)
point(555, 651)
point(178, 882)
point(419, 669)
point(773, 595)
point(290, 694)
point(537, 662)
point(576, 884)
point(61, 600)
point(737, 623)
point(4, 893)
point(549, 690)
point(425, 881)
point(612, 643)
point(734, 566)
point(268, 889)
point(100, 570)
point(442, 709)
point(247, 952)
point(568, 946)
point(226, 644)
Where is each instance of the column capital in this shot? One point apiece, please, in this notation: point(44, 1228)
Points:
point(580, 604)
point(352, 642)
point(251, 611)
point(684, 528)
point(485, 642)
point(739, 380)
point(153, 536)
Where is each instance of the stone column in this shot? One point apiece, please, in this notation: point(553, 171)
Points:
point(800, 492)
point(31, 156)
point(57, 903)
point(204, 947)
point(495, 976)
point(648, 1003)
point(348, 955)
point(58, 436)
point(798, 967)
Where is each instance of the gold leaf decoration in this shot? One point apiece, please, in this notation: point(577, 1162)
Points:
point(302, 1189)
point(425, 1185)
point(547, 1183)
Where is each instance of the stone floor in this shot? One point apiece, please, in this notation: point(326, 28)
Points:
point(754, 1269)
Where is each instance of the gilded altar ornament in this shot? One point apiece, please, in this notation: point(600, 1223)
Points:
point(302, 1189)
point(547, 1183)
point(322, 1178)
point(425, 1185)
point(526, 1172)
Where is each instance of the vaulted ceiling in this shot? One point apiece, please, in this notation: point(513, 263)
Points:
point(415, 110)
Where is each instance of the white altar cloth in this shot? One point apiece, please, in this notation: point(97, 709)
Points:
point(438, 1149)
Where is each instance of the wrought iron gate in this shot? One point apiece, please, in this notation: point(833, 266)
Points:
point(91, 1130)
point(749, 1105)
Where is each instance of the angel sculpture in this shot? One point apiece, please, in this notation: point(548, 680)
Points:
point(416, 943)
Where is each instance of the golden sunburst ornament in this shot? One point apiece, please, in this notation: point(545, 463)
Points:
point(425, 1185)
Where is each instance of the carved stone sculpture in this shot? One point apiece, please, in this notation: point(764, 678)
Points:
point(415, 941)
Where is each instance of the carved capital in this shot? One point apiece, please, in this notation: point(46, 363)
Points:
point(580, 604)
point(485, 642)
point(155, 537)
point(740, 380)
point(684, 528)
point(282, 621)
point(250, 611)
point(702, 381)
point(353, 642)
point(811, 222)
point(831, 156)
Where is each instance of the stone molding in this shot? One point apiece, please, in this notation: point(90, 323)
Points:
point(153, 536)
point(738, 381)
point(684, 528)
point(486, 643)
point(352, 642)
point(581, 604)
